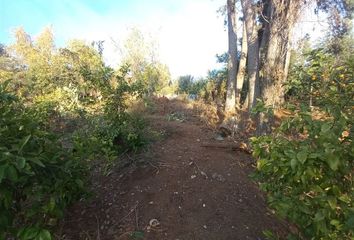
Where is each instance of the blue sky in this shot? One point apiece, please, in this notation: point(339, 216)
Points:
point(189, 32)
point(33, 14)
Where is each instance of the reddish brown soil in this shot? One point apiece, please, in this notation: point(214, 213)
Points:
point(194, 192)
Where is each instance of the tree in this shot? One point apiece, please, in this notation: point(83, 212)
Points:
point(230, 104)
point(278, 22)
point(185, 83)
point(339, 14)
point(242, 66)
point(8, 65)
point(250, 22)
point(140, 54)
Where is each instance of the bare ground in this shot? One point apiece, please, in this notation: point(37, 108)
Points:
point(183, 191)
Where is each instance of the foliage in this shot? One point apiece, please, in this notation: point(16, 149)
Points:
point(187, 85)
point(319, 69)
point(38, 177)
point(140, 54)
point(215, 87)
point(306, 166)
point(42, 151)
point(123, 129)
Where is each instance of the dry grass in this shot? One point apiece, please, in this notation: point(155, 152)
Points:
point(208, 113)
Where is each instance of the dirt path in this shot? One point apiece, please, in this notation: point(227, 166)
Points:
point(192, 191)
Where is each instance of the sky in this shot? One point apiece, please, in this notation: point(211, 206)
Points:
point(189, 32)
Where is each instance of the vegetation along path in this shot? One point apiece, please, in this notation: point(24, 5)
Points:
point(185, 190)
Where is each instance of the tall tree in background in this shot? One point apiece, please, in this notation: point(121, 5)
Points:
point(250, 22)
point(242, 66)
point(141, 54)
point(230, 104)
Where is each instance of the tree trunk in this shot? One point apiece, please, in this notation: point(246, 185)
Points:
point(230, 104)
point(250, 21)
point(279, 17)
point(241, 67)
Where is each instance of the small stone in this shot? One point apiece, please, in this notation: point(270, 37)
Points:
point(204, 205)
point(193, 176)
point(219, 138)
point(151, 202)
point(205, 227)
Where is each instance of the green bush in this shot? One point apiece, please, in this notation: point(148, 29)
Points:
point(114, 130)
point(307, 165)
point(38, 178)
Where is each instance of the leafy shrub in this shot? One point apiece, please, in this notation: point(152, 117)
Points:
point(115, 129)
point(306, 166)
point(38, 178)
point(122, 129)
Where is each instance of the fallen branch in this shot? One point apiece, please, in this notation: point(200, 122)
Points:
point(240, 147)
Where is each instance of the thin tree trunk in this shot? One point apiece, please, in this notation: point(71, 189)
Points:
point(230, 104)
point(249, 13)
point(242, 66)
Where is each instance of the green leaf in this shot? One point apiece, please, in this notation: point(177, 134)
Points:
point(2, 172)
point(302, 156)
point(51, 204)
point(335, 223)
point(325, 128)
point(37, 161)
point(28, 233)
point(332, 201)
point(333, 161)
point(24, 142)
point(11, 173)
point(137, 235)
point(318, 217)
point(44, 235)
point(21, 162)
point(79, 182)
point(345, 198)
point(293, 163)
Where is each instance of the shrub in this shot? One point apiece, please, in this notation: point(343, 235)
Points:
point(38, 178)
point(307, 165)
